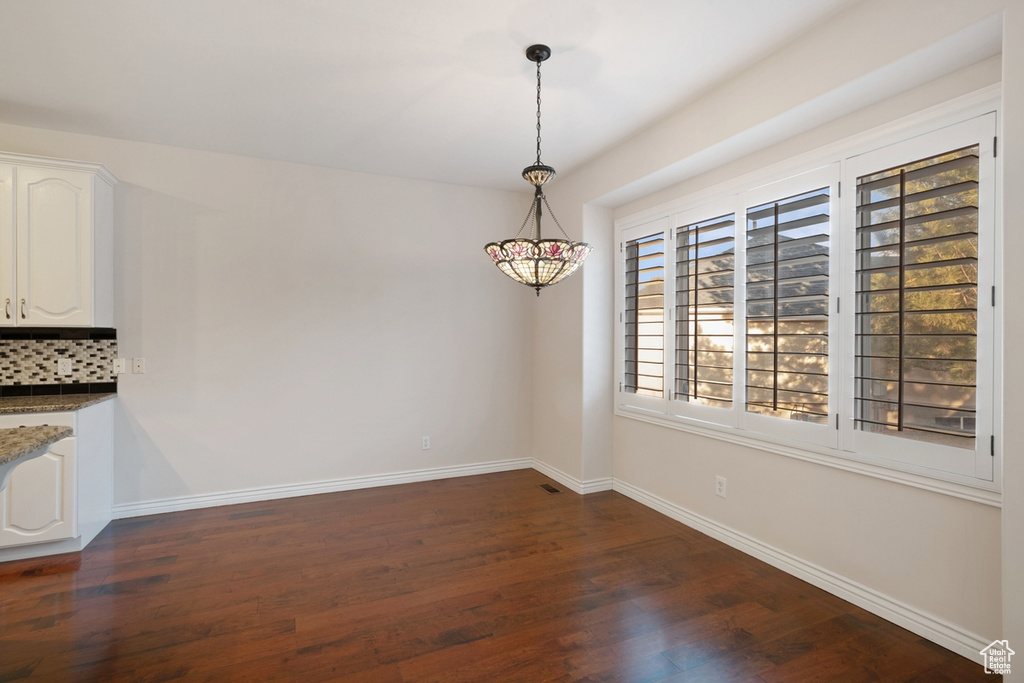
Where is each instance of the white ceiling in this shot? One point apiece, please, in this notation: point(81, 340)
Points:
point(433, 89)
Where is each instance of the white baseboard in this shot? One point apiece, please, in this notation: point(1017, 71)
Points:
point(926, 625)
point(152, 507)
point(570, 482)
point(595, 485)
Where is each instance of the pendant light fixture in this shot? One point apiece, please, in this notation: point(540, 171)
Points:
point(535, 261)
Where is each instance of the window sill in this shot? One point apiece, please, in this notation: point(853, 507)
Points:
point(985, 493)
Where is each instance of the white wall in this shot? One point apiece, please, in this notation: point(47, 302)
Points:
point(302, 324)
point(928, 550)
point(599, 376)
point(558, 376)
point(938, 556)
point(885, 536)
point(1013, 368)
point(572, 381)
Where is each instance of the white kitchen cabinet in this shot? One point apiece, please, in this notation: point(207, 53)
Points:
point(58, 502)
point(56, 243)
point(38, 504)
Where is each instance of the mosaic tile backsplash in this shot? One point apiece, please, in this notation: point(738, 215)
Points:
point(34, 361)
point(28, 360)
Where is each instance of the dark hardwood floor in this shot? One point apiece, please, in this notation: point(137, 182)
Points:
point(486, 578)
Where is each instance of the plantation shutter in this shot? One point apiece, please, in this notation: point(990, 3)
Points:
point(705, 268)
point(917, 300)
point(644, 316)
point(787, 290)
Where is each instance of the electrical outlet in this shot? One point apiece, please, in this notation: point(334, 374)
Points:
point(426, 443)
point(138, 366)
point(119, 366)
point(64, 366)
point(720, 486)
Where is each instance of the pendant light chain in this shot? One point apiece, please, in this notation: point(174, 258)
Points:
point(529, 216)
point(533, 210)
point(552, 214)
point(538, 113)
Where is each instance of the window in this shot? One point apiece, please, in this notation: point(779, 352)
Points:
point(850, 326)
point(645, 315)
point(705, 270)
point(917, 300)
point(787, 307)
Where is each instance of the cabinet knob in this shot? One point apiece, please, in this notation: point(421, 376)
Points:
point(7, 308)
point(23, 315)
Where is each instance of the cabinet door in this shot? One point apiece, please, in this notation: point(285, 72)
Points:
point(54, 245)
point(7, 257)
point(39, 501)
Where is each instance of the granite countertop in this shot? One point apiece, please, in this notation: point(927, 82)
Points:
point(50, 404)
point(21, 441)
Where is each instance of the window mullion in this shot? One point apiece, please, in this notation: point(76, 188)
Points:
point(739, 344)
point(902, 303)
point(775, 306)
point(669, 331)
point(989, 420)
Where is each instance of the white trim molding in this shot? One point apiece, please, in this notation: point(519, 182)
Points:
point(922, 623)
point(575, 485)
point(850, 463)
point(193, 502)
point(60, 164)
point(596, 485)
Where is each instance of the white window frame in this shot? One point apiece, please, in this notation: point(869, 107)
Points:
point(826, 435)
point(901, 460)
point(684, 409)
point(883, 449)
point(629, 399)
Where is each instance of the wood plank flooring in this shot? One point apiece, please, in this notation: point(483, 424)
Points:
point(486, 578)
